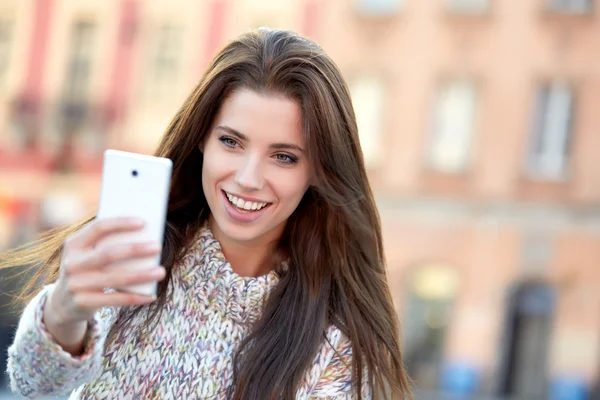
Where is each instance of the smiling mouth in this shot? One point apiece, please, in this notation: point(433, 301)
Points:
point(245, 205)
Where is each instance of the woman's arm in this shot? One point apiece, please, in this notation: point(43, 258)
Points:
point(39, 366)
point(70, 336)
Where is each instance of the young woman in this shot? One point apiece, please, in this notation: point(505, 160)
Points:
point(272, 284)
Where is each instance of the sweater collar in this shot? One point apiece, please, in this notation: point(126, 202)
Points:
point(205, 268)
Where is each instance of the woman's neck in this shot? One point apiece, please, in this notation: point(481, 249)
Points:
point(253, 258)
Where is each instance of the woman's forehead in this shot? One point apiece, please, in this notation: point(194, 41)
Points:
point(262, 117)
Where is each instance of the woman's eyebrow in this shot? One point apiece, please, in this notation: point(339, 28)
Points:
point(233, 132)
point(286, 146)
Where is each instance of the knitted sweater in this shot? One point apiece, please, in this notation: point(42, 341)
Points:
point(188, 356)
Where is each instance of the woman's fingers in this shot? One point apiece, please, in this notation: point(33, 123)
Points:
point(107, 255)
point(96, 230)
point(88, 282)
point(88, 268)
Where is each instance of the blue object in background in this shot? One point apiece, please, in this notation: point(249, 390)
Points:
point(459, 379)
point(568, 388)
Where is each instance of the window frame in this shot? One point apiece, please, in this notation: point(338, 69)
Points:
point(434, 135)
point(537, 147)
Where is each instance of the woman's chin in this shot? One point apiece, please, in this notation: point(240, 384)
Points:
point(236, 231)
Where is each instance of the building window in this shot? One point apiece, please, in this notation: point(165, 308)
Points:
point(165, 56)
point(570, 6)
point(453, 126)
point(467, 6)
point(548, 153)
point(368, 100)
point(6, 34)
point(74, 130)
point(378, 7)
point(79, 64)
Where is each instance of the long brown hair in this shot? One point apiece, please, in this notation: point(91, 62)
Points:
point(336, 272)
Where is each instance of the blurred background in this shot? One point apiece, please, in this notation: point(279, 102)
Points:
point(479, 123)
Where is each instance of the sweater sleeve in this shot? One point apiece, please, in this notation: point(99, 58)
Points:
point(335, 379)
point(38, 366)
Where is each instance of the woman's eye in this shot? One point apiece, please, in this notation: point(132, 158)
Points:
point(227, 141)
point(285, 159)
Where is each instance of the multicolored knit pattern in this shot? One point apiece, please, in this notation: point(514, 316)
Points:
point(188, 356)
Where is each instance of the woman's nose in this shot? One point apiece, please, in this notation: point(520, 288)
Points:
point(249, 176)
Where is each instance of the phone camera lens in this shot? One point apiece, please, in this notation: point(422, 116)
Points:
point(134, 173)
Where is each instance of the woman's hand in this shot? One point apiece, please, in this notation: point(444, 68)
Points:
point(84, 274)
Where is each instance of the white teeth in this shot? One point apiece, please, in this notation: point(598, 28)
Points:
point(243, 204)
point(258, 206)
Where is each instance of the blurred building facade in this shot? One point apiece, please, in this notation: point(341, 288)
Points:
point(478, 126)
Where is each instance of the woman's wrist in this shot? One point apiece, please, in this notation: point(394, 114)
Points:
point(70, 335)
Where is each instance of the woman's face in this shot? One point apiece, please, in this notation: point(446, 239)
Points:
point(255, 168)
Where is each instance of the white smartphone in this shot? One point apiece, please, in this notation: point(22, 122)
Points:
point(136, 185)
